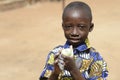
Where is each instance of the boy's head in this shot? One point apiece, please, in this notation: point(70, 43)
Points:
point(77, 22)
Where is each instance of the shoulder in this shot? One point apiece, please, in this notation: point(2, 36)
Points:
point(56, 49)
point(95, 54)
point(98, 67)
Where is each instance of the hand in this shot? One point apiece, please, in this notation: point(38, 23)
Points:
point(72, 68)
point(57, 69)
point(69, 63)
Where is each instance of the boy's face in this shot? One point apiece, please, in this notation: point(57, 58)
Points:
point(76, 25)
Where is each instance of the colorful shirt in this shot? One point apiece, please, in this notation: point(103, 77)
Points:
point(90, 63)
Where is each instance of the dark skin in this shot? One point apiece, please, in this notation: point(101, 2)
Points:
point(76, 25)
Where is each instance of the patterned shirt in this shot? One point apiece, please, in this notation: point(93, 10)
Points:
point(90, 63)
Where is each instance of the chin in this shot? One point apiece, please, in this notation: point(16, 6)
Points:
point(74, 44)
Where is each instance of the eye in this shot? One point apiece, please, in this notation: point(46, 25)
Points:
point(67, 26)
point(81, 26)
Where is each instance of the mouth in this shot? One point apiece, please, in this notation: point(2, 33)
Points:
point(74, 40)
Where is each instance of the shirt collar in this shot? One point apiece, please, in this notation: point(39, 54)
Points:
point(82, 47)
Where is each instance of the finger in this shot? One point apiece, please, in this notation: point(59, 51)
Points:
point(59, 52)
point(61, 61)
point(56, 56)
point(56, 61)
point(63, 56)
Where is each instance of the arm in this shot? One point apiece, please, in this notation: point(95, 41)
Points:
point(49, 69)
point(56, 71)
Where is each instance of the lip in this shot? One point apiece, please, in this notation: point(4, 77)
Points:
point(74, 40)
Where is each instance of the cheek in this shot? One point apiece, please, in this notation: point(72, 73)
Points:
point(67, 34)
point(84, 34)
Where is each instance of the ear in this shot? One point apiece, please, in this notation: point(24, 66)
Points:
point(91, 27)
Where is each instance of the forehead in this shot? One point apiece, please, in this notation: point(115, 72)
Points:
point(76, 13)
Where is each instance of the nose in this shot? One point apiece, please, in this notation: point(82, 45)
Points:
point(74, 32)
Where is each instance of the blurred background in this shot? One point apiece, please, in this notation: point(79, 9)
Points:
point(29, 29)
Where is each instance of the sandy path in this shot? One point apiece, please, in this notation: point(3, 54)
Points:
point(25, 33)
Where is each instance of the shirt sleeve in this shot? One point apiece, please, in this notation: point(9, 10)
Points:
point(98, 68)
point(48, 67)
point(49, 64)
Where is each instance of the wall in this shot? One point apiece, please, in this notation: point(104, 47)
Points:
point(12, 4)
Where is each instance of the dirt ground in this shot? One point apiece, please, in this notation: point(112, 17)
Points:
point(28, 34)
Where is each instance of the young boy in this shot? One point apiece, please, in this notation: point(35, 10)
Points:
point(86, 63)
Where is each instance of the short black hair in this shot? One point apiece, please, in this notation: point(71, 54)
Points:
point(78, 5)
